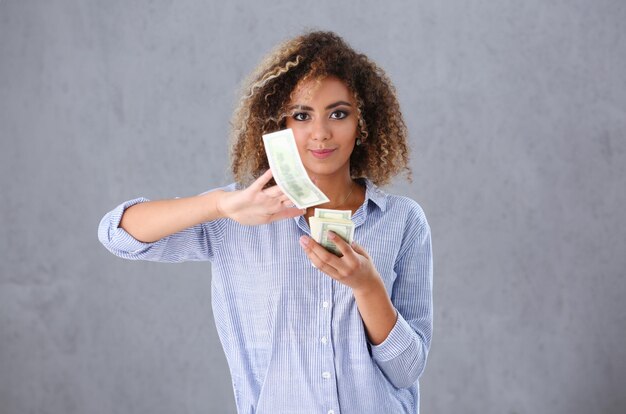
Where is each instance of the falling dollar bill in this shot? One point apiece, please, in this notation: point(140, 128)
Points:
point(288, 170)
point(337, 221)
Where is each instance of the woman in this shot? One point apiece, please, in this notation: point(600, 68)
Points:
point(350, 334)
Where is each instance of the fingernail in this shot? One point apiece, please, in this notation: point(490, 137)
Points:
point(304, 241)
point(331, 235)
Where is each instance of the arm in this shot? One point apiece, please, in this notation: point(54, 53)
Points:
point(378, 314)
point(197, 242)
point(189, 228)
point(154, 220)
point(151, 221)
point(402, 355)
point(356, 270)
point(399, 340)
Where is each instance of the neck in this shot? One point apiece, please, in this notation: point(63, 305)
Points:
point(336, 189)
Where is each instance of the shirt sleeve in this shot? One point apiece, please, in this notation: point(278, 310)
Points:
point(197, 243)
point(402, 355)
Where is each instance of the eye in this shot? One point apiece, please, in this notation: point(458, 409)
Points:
point(300, 116)
point(339, 114)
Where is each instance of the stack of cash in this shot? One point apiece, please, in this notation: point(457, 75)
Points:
point(338, 221)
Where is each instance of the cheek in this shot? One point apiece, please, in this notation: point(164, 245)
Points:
point(299, 128)
point(301, 140)
point(301, 133)
point(347, 131)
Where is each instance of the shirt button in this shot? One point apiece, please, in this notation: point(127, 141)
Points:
point(331, 411)
point(324, 340)
point(325, 374)
point(325, 304)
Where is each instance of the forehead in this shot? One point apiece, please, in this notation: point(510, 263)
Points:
point(326, 90)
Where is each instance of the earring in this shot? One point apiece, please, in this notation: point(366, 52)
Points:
point(358, 141)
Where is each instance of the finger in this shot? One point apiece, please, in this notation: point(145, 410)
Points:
point(287, 213)
point(288, 203)
point(260, 182)
point(276, 205)
point(349, 258)
point(360, 250)
point(273, 191)
point(317, 257)
point(324, 255)
point(341, 244)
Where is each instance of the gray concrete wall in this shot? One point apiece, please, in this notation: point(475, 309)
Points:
point(517, 114)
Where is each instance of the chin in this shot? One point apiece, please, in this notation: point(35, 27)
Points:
point(323, 172)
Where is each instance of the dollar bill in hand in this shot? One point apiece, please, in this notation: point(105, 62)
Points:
point(288, 171)
point(327, 213)
point(337, 221)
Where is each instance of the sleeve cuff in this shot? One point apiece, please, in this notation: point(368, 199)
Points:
point(115, 237)
point(399, 339)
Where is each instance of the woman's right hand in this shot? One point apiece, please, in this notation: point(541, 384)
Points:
point(255, 205)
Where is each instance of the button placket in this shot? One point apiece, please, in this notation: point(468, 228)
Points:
point(327, 371)
point(324, 339)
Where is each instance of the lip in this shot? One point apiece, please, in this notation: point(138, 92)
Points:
point(322, 153)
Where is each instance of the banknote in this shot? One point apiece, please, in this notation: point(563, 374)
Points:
point(288, 171)
point(333, 214)
point(321, 226)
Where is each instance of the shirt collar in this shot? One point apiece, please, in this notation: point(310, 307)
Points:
point(375, 194)
point(372, 193)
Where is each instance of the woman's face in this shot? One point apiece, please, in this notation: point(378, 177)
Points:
point(323, 118)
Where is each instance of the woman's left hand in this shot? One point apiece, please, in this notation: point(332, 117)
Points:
point(354, 269)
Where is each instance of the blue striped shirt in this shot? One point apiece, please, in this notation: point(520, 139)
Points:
point(293, 336)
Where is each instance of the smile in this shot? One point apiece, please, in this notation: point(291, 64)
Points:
point(322, 153)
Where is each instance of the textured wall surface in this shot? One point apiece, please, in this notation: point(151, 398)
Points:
point(517, 115)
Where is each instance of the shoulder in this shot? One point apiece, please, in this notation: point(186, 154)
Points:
point(406, 207)
point(415, 230)
point(399, 207)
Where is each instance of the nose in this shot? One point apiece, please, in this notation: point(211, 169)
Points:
point(321, 131)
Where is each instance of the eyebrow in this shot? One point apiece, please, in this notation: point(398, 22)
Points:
point(308, 108)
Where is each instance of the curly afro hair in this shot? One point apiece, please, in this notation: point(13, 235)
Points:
point(316, 55)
